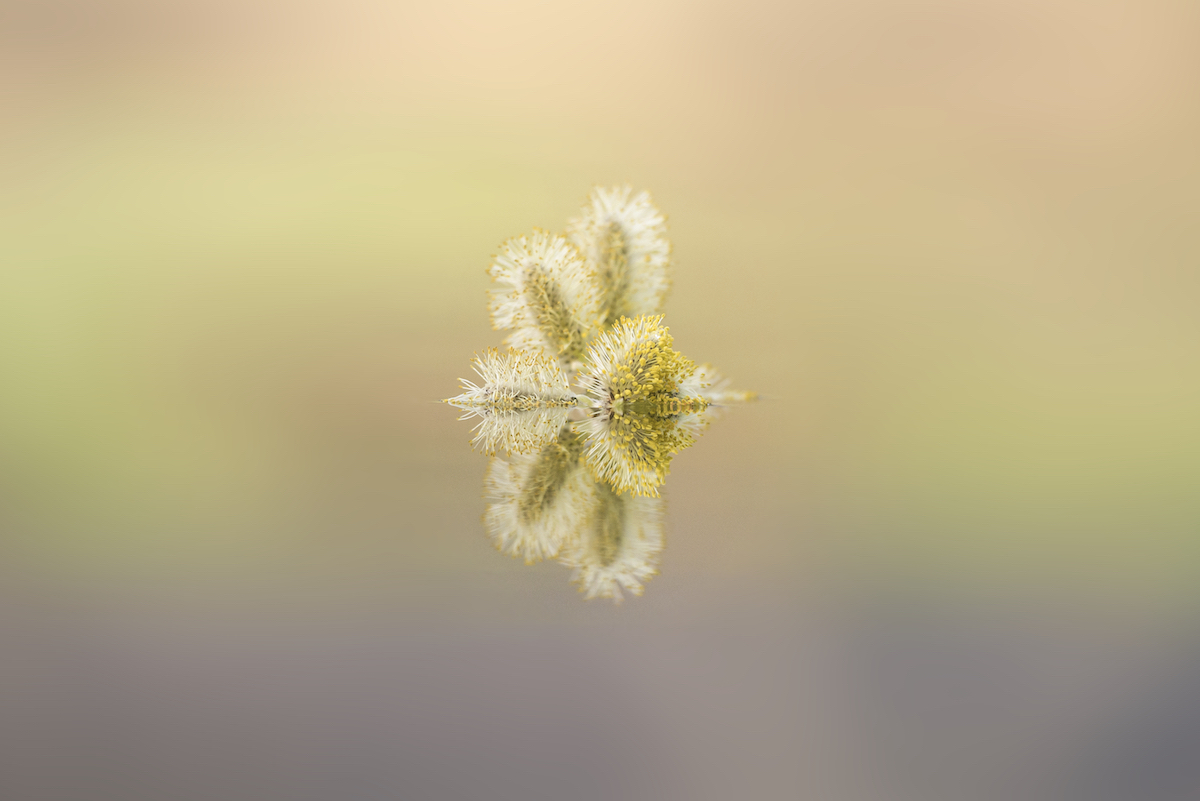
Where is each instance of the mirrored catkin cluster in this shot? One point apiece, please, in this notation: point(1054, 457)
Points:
point(591, 402)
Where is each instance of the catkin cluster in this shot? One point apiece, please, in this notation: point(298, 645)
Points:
point(591, 402)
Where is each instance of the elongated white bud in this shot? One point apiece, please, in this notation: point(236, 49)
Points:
point(618, 546)
point(547, 295)
point(624, 237)
point(522, 403)
point(538, 501)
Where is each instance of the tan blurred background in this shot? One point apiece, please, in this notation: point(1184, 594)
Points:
point(242, 253)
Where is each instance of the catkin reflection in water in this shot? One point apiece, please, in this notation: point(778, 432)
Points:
point(591, 402)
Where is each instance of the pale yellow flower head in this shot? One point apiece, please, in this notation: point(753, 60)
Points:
point(635, 379)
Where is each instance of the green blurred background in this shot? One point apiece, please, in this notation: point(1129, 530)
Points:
point(242, 255)
point(242, 250)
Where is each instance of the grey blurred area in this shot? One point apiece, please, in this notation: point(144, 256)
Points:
point(715, 696)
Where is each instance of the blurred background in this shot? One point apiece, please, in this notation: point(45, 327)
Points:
point(954, 556)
